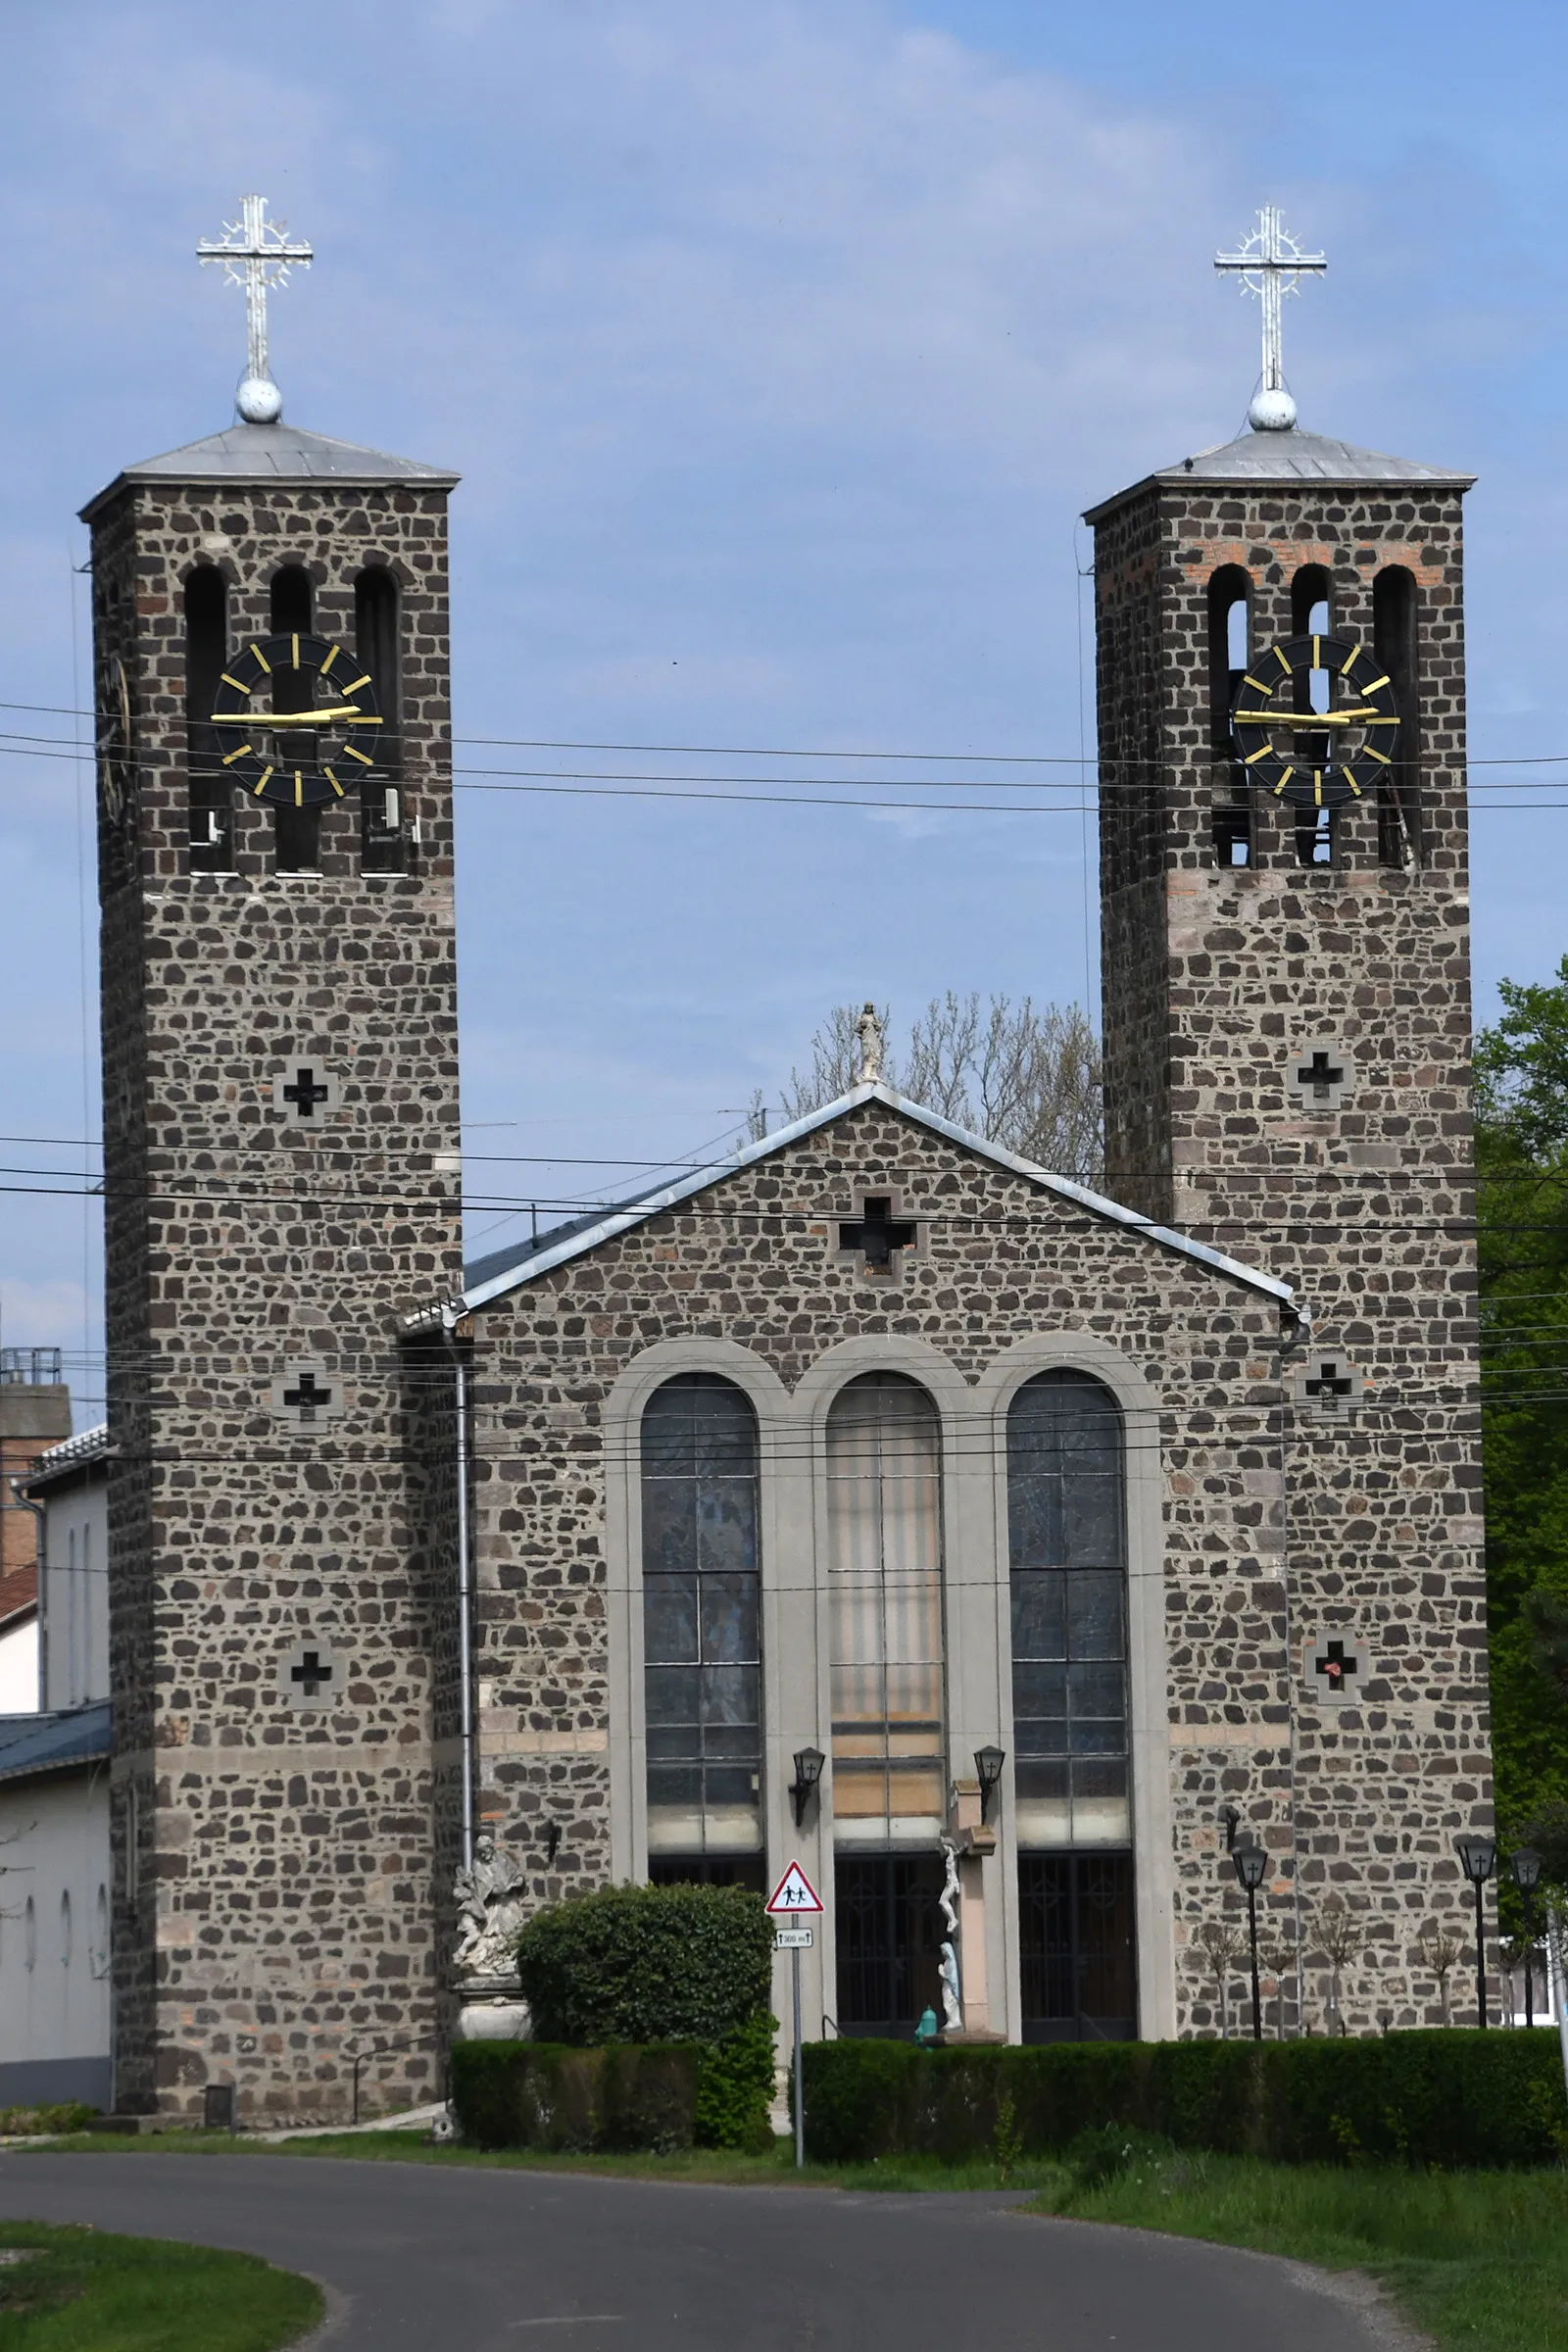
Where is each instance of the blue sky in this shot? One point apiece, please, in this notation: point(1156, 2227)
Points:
point(779, 345)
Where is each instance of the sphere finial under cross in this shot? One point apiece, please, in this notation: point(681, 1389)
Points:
point(1271, 265)
point(256, 254)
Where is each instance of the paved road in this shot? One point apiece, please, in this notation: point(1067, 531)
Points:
point(474, 2261)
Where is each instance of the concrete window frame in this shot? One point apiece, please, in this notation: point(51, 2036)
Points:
point(1149, 1718)
point(968, 1667)
point(792, 1439)
point(898, 1214)
point(777, 1463)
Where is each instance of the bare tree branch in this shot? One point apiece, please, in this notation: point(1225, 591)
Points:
point(1022, 1076)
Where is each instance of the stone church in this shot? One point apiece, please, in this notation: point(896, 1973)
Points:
point(872, 1490)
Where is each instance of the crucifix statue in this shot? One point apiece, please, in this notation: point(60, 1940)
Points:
point(1271, 265)
point(256, 254)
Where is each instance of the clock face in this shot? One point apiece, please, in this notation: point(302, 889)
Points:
point(1315, 722)
point(114, 746)
point(295, 720)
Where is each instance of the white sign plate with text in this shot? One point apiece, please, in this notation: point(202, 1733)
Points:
point(792, 1940)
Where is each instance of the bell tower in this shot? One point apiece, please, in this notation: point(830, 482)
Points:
point(281, 1180)
point(1287, 1046)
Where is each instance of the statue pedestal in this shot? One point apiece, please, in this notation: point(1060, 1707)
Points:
point(967, 2038)
point(493, 2010)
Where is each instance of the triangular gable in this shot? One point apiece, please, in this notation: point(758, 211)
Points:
point(578, 1238)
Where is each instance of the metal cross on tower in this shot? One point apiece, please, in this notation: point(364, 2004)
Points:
point(1271, 265)
point(256, 254)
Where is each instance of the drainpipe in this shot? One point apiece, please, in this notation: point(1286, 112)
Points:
point(452, 1315)
point(25, 1502)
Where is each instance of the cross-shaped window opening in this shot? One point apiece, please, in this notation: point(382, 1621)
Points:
point(312, 1674)
point(306, 1091)
point(1319, 1073)
point(306, 1397)
point(875, 1232)
point(1336, 1665)
point(1329, 1380)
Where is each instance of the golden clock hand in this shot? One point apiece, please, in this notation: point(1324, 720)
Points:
point(293, 718)
point(1306, 718)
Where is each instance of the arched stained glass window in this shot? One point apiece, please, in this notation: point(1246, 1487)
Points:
point(702, 1629)
point(1066, 1534)
point(884, 1471)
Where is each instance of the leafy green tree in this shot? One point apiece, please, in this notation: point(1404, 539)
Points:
point(1522, 1155)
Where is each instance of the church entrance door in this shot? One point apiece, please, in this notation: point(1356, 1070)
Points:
point(888, 1929)
point(1076, 1951)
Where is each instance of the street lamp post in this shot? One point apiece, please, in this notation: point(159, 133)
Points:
point(1525, 1869)
point(1249, 1862)
point(1478, 1859)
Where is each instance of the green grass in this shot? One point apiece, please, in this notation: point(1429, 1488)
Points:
point(1480, 2260)
point(715, 2165)
point(83, 2290)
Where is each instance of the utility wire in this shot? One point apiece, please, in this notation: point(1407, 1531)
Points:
point(747, 751)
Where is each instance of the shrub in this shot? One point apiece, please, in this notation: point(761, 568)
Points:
point(69, 2115)
point(534, 2094)
point(735, 2089)
point(645, 1964)
point(1448, 2099)
point(618, 2096)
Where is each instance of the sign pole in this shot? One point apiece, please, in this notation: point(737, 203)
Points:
point(794, 1898)
point(800, 2110)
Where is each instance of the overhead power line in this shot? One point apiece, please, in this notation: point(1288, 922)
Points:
point(753, 751)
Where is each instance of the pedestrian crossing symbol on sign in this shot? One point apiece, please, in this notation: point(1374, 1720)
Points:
point(794, 1895)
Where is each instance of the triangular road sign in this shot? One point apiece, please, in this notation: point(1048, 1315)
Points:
point(794, 1897)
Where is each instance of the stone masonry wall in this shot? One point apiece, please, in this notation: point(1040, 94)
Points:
point(274, 1875)
point(1213, 975)
point(752, 1260)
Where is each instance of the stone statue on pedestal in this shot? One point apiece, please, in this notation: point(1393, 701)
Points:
point(490, 1898)
point(951, 1987)
point(491, 1895)
point(952, 1991)
point(868, 1029)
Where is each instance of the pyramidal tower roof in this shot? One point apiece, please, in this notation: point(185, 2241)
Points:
point(1269, 263)
point(1256, 458)
point(269, 452)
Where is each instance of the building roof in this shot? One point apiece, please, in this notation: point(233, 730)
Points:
point(503, 1271)
point(1293, 457)
point(81, 1452)
point(19, 1598)
point(271, 453)
point(32, 1745)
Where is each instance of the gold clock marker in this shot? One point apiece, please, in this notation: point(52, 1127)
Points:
point(1275, 747)
point(332, 725)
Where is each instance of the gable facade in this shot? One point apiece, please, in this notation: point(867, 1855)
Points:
point(746, 1282)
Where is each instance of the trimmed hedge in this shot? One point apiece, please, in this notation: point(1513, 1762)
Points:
point(647, 1964)
point(619, 2096)
point(1452, 2098)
